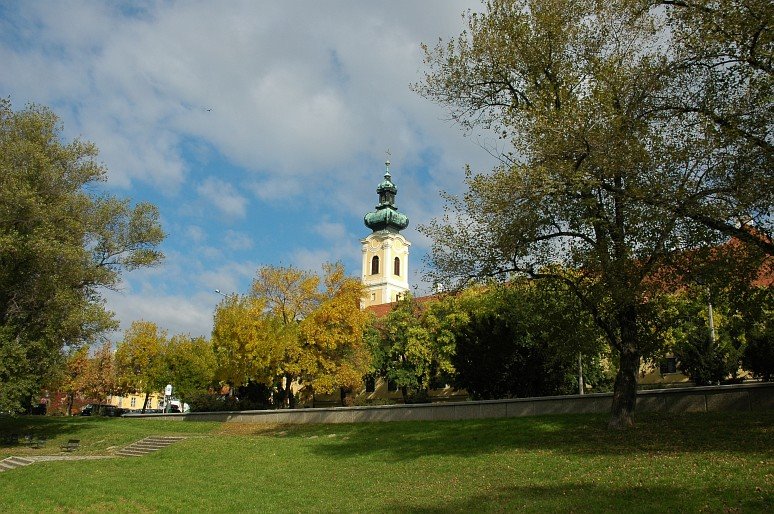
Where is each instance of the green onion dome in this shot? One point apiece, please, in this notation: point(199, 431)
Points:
point(386, 217)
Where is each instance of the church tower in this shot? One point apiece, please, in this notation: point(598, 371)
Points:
point(385, 251)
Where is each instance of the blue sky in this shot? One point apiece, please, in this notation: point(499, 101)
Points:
point(258, 128)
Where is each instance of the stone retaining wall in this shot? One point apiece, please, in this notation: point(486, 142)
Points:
point(741, 397)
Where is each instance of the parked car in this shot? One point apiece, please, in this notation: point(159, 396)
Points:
point(102, 410)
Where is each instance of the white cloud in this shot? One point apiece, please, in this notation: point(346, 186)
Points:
point(237, 240)
point(223, 196)
point(196, 234)
point(285, 90)
point(331, 231)
point(276, 189)
point(205, 109)
point(230, 277)
point(175, 313)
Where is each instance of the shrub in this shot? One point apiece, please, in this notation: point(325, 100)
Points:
point(704, 362)
point(758, 355)
point(215, 403)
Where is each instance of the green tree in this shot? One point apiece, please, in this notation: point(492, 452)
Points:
point(189, 365)
point(755, 321)
point(138, 359)
point(443, 320)
point(708, 351)
point(601, 188)
point(415, 344)
point(524, 339)
point(405, 349)
point(758, 357)
point(61, 243)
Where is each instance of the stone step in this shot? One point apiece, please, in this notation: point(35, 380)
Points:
point(156, 446)
point(20, 461)
point(148, 445)
point(130, 453)
point(13, 462)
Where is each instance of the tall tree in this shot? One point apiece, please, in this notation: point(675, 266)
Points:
point(99, 378)
point(71, 379)
point(290, 295)
point(415, 344)
point(334, 355)
point(188, 363)
point(61, 242)
point(719, 110)
point(138, 359)
point(248, 344)
point(599, 190)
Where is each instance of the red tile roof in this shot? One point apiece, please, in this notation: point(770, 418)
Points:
point(384, 309)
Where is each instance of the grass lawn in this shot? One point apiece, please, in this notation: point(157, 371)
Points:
point(721, 462)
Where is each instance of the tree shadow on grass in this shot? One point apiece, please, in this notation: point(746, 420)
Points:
point(48, 433)
point(39, 426)
point(740, 433)
point(97, 434)
point(594, 498)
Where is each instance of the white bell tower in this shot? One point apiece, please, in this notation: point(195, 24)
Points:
point(385, 251)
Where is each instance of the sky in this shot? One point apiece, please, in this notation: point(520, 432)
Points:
point(258, 128)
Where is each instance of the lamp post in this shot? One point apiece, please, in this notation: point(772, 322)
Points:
point(710, 317)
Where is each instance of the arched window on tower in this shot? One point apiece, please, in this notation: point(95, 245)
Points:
point(375, 265)
point(396, 266)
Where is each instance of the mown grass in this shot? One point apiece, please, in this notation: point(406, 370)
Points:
point(689, 463)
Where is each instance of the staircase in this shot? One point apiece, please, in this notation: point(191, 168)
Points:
point(148, 445)
point(14, 462)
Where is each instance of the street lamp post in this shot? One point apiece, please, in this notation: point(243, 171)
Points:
point(710, 317)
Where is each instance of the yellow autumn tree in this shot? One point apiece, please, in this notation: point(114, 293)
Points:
point(71, 379)
point(333, 352)
point(98, 379)
point(248, 344)
point(289, 330)
point(290, 295)
point(137, 359)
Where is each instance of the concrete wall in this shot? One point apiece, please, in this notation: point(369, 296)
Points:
point(741, 397)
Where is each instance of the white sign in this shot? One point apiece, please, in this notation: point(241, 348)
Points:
point(168, 390)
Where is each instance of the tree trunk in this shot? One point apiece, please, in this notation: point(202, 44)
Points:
point(70, 401)
point(279, 399)
point(145, 402)
point(347, 399)
point(404, 393)
point(291, 398)
point(625, 391)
